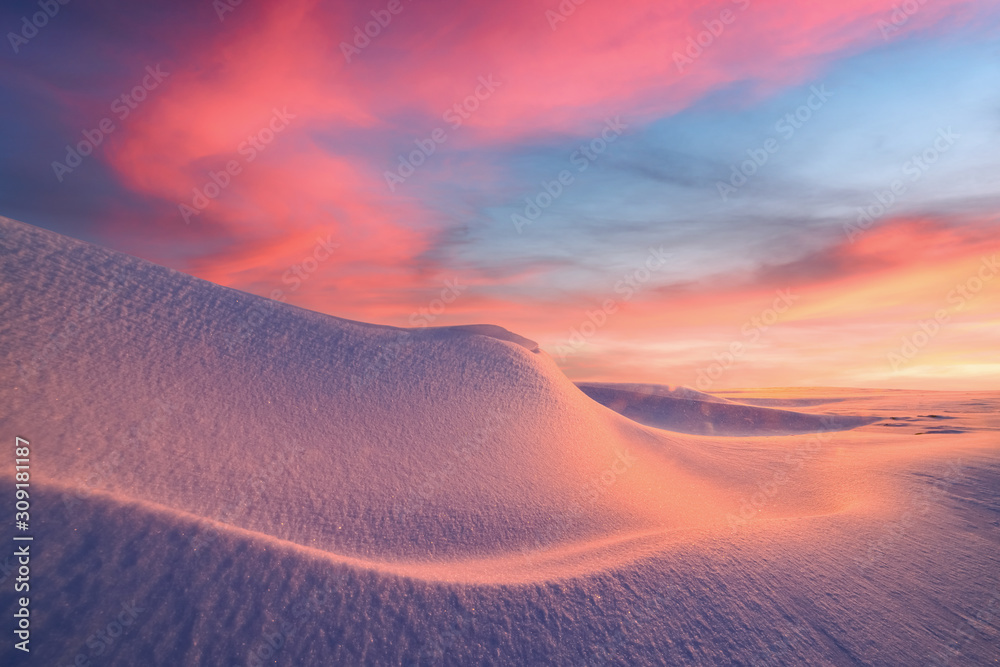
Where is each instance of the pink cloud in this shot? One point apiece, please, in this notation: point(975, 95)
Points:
point(603, 59)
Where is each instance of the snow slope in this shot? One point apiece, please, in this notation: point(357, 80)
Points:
point(689, 411)
point(245, 481)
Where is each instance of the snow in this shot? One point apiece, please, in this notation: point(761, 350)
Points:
point(268, 485)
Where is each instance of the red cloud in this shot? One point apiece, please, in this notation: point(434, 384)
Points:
point(321, 176)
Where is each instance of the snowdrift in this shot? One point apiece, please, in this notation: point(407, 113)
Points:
point(689, 411)
point(260, 482)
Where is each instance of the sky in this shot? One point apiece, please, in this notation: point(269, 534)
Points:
point(714, 194)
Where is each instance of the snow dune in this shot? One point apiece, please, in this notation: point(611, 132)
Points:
point(373, 442)
point(261, 477)
point(689, 411)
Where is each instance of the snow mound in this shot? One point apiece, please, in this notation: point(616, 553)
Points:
point(246, 482)
point(687, 411)
point(451, 444)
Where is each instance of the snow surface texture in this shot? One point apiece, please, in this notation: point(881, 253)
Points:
point(250, 483)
